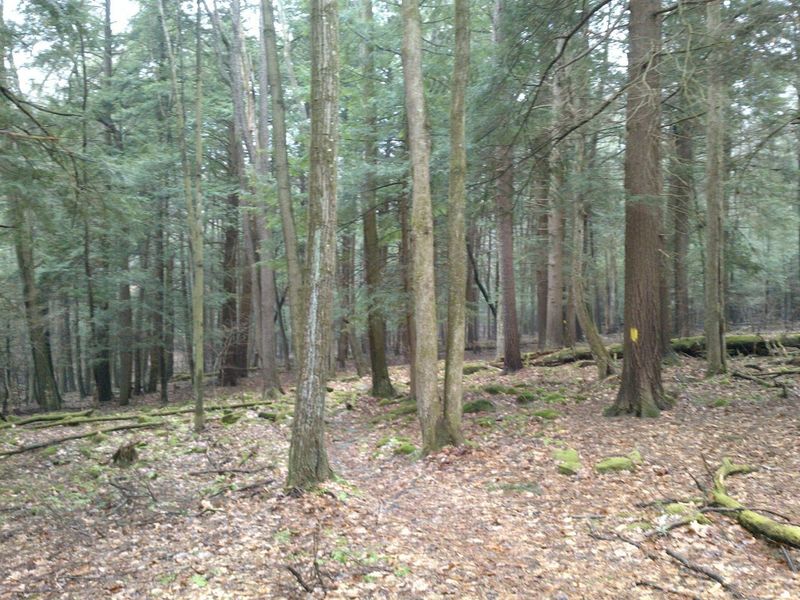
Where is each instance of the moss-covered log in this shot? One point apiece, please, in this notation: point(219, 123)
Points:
point(750, 519)
point(78, 436)
point(692, 346)
point(82, 418)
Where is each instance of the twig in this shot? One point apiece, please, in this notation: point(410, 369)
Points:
point(667, 590)
point(788, 558)
point(257, 484)
point(300, 579)
point(705, 571)
point(223, 471)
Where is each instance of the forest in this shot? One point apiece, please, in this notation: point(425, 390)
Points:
point(399, 299)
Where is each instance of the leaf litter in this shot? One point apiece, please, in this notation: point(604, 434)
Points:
point(205, 516)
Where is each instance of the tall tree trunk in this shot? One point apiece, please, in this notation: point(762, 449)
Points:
point(456, 242)
point(281, 162)
point(681, 193)
point(423, 286)
point(43, 388)
point(714, 321)
point(192, 196)
point(126, 338)
point(376, 326)
point(641, 392)
point(504, 202)
point(308, 458)
point(598, 348)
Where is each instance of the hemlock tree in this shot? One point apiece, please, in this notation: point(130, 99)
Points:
point(376, 326)
point(641, 392)
point(714, 321)
point(308, 459)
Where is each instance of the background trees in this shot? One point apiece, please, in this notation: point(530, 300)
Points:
point(96, 251)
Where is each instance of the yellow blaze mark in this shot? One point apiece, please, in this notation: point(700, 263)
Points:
point(634, 335)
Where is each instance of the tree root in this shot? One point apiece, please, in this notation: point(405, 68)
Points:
point(752, 521)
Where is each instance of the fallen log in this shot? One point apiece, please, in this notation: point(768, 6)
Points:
point(54, 416)
point(749, 519)
point(77, 436)
point(693, 346)
point(73, 419)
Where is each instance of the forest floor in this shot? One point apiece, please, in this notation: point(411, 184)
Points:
point(207, 517)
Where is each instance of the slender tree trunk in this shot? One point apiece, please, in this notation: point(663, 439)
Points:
point(281, 162)
point(126, 338)
point(423, 286)
point(405, 259)
point(598, 348)
point(512, 360)
point(681, 193)
point(457, 243)
point(43, 388)
point(192, 197)
point(641, 391)
point(376, 326)
point(714, 321)
point(308, 459)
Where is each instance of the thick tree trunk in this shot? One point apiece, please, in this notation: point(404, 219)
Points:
point(714, 318)
point(423, 285)
point(641, 392)
point(456, 242)
point(308, 459)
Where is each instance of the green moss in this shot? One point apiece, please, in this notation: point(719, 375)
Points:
point(269, 416)
point(405, 448)
point(95, 471)
point(49, 451)
point(478, 406)
point(485, 422)
point(405, 408)
point(569, 461)
point(635, 457)
point(517, 487)
point(554, 398)
point(496, 389)
point(472, 368)
point(720, 402)
point(526, 397)
point(548, 414)
point(614, 463)
point(229, 418)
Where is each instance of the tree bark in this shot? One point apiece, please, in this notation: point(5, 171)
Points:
point(281, 163)
point(308, 459)
point(456, 242)
point(641, 392)
point(714, 318)
point(423, 286)
point(376, 325)
point(681, 193)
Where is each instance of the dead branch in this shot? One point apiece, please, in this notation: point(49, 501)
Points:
point(300, 579)
point(667, 590)
point(705, 571)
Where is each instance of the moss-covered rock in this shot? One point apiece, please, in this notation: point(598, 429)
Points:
point(569, 461)
point(477, 406)
point(229, 418)
point(269, 416)
point(472, 368)
point(547, 414)
point(614, 464)
point(404, 448)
